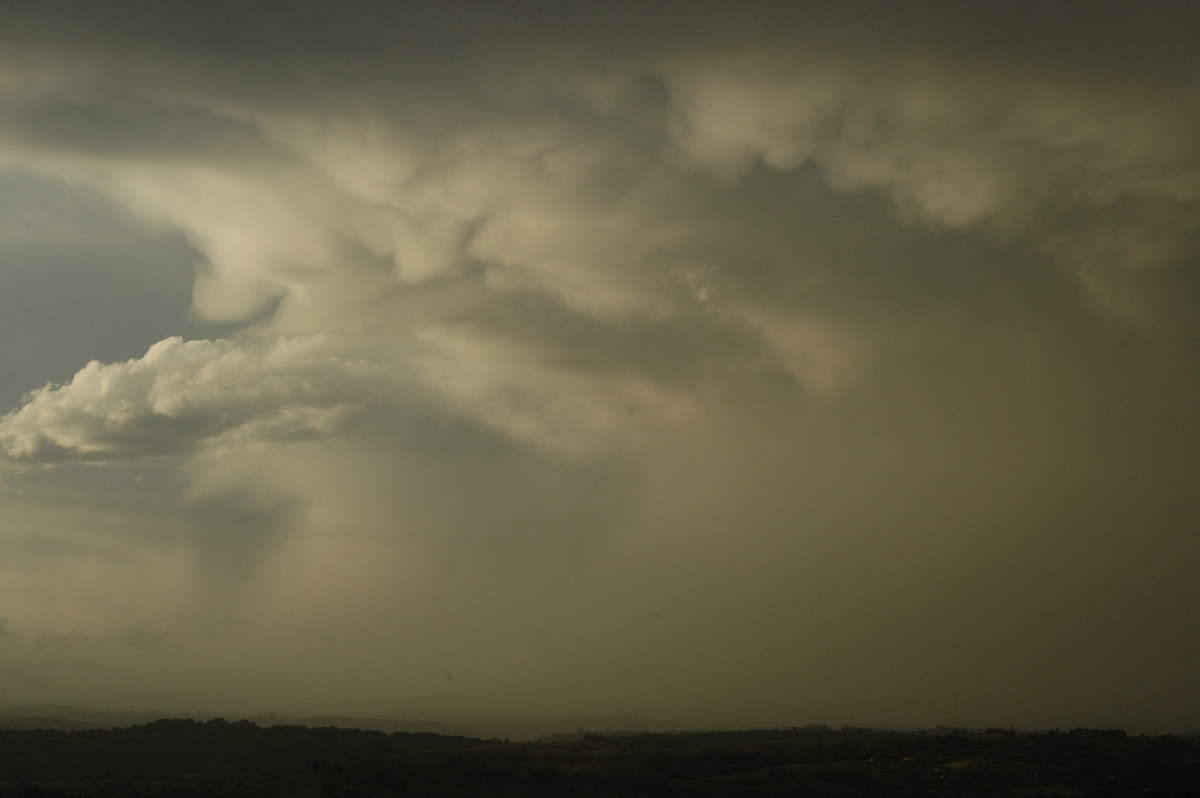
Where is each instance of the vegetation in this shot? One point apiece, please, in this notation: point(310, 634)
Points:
point(217, 758)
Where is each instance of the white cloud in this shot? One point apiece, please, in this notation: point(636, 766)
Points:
point(182, 394)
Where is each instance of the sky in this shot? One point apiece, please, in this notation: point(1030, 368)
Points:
point(793, 363)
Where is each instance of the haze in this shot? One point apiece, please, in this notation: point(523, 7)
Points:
point(723, 364)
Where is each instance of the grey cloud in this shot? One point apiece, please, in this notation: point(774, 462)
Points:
point(1006, 157)
point(232, 535)
point(1045, 161)
point(607, 357)
point(1066, 29)
point(128, 128)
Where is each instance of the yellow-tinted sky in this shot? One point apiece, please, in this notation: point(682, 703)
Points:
point(786, 364)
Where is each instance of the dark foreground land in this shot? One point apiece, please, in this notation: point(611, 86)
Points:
point(217, 758)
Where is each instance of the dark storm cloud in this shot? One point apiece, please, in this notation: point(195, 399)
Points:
point(1070, 30)
point(806, 363)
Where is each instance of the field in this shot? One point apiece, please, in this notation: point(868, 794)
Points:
point(218, 758)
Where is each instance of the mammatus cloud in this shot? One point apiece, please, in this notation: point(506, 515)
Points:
point(763, 353)
point(360, 218)
point(1053, 163)
point(361, 225)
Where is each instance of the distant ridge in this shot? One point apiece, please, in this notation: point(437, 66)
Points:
point(23, 723)
point(69, 718)
point(53, 716)
point(386, 725)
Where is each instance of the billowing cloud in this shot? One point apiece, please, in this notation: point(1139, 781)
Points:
point(605, 358)
point(183, 393)
point(964, 149)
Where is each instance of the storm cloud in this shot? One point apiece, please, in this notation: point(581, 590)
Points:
point(813, 365)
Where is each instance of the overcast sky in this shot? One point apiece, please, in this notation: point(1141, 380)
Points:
point(829, 363)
